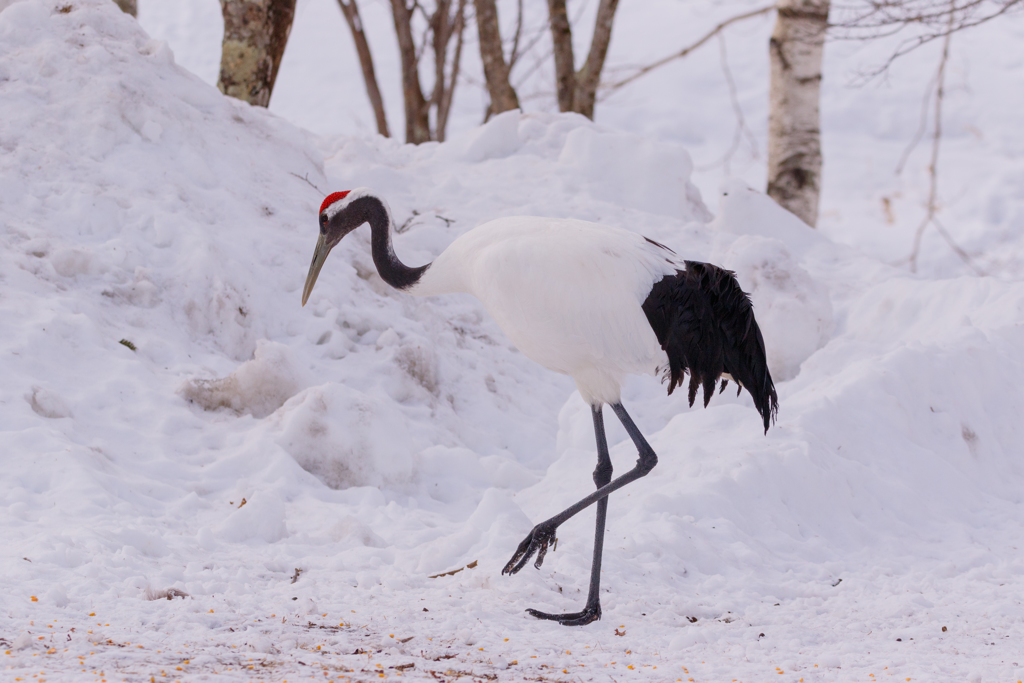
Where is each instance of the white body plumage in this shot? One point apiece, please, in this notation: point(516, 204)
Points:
point(568, 293)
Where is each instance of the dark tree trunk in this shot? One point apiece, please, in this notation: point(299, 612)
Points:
point(442, 26)
point(444, 89)
point(492, 54)
point(565, 66)
point(590, 75)
point(255, 34)
point(355, 23)
point(417, 119)
point(578, 91)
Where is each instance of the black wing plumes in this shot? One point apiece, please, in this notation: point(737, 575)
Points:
point(705, 323)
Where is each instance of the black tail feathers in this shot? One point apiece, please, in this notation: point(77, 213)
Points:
point(705, 323)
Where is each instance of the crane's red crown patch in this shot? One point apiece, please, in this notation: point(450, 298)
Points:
point(331, 198)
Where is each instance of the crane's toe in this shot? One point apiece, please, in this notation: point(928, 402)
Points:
point(589, 614)
point(538, 540)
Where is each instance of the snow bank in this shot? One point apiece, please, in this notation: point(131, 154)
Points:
point(372, 460)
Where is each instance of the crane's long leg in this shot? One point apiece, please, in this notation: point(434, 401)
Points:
point(543, 534)
point(602, 475)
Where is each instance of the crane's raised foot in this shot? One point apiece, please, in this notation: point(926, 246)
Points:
point(589, 614)
point(537, 541)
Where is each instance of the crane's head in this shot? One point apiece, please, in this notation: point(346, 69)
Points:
point(338, 217)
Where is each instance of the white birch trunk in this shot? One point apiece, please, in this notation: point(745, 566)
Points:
point(794, 128)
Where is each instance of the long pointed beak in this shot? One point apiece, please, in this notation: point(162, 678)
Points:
point(319, 256)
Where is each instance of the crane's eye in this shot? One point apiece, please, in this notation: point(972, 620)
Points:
point(323, 221)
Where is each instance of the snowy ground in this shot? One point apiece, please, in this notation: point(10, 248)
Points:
point(259, 485)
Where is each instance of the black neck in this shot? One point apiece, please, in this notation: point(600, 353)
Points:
point(392, 271)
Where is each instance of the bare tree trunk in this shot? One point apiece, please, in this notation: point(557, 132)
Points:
point(565, 65)
point(578, 91)
point(443, 97)
point(128, 7)
point(355, 23)
point(417, 120)
point(590, 75)
point(794, 128)
point(441, 26)
point(255, 33)
point(492, 54)
point(440, 32)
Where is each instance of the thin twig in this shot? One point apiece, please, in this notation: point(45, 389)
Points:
point(308, 181)
point(538, 34)
point(515, 40)
point(933, 165)
point(956, 247)
point(922, 126)
point(888, 17)
point(741, 124)
point(612, 87)
point(940, 89)
point(540, 62)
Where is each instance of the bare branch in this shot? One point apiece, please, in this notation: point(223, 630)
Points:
point(532, 40)
point(957, 249)
point(589, 76)
point(921, 128)
point(523, 77)
point(937, 18)
point(612, 87)
point(307, 180)
point(741, 124)
point(515, 40)
point(931, 208)
point(355, 24)
point(448, 90)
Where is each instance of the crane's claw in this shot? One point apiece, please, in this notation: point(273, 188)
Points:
point(537, 541)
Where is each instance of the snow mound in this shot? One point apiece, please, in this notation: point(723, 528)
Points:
point(650, 175)
point(347, 438)
point(496, 139)
point(743, 210)
point(258, 387)
point(793, 310)
point(528, 164)
point(764, 245)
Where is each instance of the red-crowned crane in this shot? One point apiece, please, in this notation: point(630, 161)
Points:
point(589, 301)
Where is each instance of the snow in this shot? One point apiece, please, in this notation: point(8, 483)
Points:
point(261, 484)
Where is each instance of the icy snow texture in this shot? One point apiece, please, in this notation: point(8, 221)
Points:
point(404, 438)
